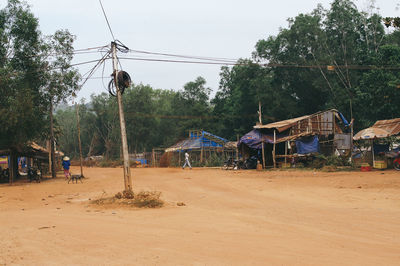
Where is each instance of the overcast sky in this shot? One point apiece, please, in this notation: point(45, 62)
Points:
point(212, 28)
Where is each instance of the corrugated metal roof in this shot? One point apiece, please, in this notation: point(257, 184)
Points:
point(392, 126)
point(285, 124)
point(317, 122)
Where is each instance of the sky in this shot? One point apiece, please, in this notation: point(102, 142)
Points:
point(208, 28)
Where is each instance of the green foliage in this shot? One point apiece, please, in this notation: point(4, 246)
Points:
point(214, 160)
point(297, 82)
point(33, 70)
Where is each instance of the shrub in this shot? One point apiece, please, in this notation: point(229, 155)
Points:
point(148, 199)
point(337, 160)
point(214, 160)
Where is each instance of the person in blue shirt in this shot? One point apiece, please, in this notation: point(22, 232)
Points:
point(66, 163)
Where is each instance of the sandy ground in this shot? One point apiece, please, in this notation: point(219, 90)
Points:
point(230, 218)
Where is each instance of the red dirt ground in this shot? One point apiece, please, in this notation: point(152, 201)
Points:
point(230, 218)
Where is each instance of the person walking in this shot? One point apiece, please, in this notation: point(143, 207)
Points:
point(66, 163)
point(186, 161)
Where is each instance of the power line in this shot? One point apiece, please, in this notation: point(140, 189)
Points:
point(105, 16)
point(352, 67)
point(93, 70)
point(82, 63)
point(91, 48)
point(177, 61)
point(135, 114)
point(185, 56)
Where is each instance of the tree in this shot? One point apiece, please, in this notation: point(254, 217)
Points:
point(22, 65)
point(30, 63)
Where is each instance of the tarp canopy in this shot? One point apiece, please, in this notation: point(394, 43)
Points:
point(371, 133)
point(381, 129)
point(307, 145)
point(254, 139)
point(203, 140)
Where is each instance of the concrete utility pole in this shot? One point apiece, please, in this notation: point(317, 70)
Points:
point(79, 136)
point(127, 169)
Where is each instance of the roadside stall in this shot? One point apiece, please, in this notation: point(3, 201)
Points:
point(384, 138)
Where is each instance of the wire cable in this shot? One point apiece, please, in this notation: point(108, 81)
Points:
point(108, 23)
point(352, 67)
point(93, 70)
point(186, 56)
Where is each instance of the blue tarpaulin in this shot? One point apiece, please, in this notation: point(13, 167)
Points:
point(307, 145)
point(343, 119)
point(198, 140)
point(254, 139)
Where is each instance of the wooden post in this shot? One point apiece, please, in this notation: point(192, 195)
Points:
point(53, 156)
point(333, 129)
point(351, 140)
point(286, 143)
point(237, 149)
point(13, 167)
point(127, 170)
point(48, 146)
point(273, 150)
point(179, 154)
point(153, 158)
point(201, 153)
point(263, 154)
point(373, 155)
point(79, 137)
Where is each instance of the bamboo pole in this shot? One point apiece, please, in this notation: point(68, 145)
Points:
point(153, 158)
point(273, 150)
point(79, 137)
point(52, 152)
point(286, 144)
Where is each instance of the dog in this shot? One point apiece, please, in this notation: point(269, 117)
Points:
point(76, 178)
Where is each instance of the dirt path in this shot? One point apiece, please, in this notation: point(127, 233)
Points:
point(230, 218)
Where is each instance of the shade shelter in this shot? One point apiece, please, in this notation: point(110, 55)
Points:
point(322, 132)
point(202, 144)
point(380, 130)
point(32, 151)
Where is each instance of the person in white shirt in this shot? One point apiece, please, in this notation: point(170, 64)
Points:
point(186, 161)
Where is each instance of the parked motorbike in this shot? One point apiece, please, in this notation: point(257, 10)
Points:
point(231, 163)
point(395, 155)
point(4, 175)
point(33, 174)
point(251, 163)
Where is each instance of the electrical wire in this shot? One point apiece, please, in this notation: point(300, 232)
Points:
point(108, 23)
point(135, 114)
point(91, 48)
point(177, 61)
point(185, 56)
point(352, 67)
point(93, 70)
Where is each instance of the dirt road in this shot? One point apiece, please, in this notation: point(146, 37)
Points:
point(230, 218)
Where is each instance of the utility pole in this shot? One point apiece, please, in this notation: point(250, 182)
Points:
point(52, 152)
point(79, 136)
point(127, 170)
